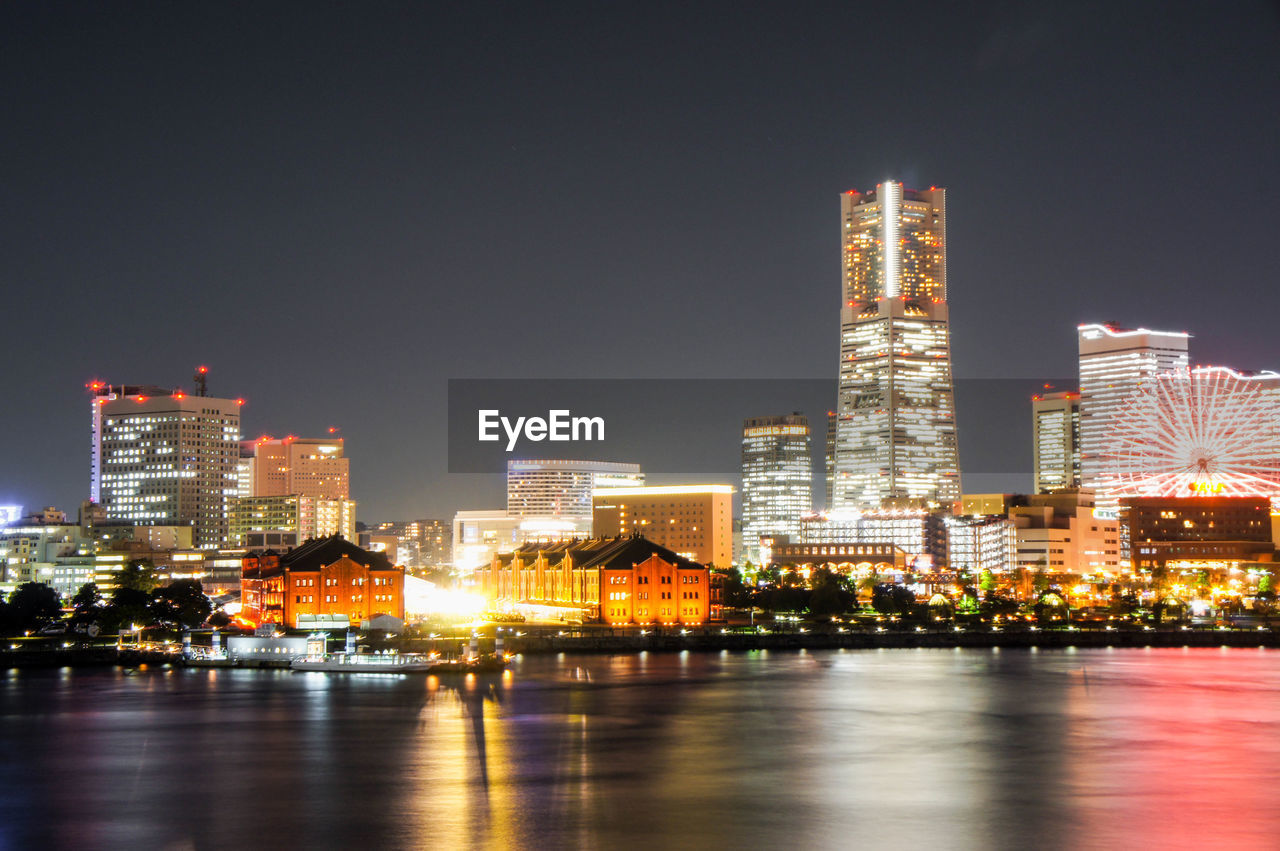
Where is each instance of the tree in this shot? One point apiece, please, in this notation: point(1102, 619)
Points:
point(890, 599)
point(138, 575)
point(219, 619)
point(88, 605)
point(182, 603)
point(33, 605)
point(828, 596)
point(735, 590)
point(128, 606)
point(987, 581)
point(1265, 584)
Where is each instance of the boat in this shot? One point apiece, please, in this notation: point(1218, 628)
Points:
point(395, 663)
point(364, 663)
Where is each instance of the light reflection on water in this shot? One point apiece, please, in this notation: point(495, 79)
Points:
point(1105, 748)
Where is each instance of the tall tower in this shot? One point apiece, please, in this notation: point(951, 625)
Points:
point(166, 459)
point(1114, 363)
point(777, 477)
point(1055, 424)
point(895, 429)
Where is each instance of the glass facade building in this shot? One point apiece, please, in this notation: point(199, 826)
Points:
point(777, 477)
point(895, 413)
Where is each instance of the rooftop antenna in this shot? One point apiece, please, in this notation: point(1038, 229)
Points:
point(202, 380)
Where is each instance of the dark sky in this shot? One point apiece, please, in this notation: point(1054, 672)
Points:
point(338, 207)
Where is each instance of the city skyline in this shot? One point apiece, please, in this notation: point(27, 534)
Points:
point(369, 207)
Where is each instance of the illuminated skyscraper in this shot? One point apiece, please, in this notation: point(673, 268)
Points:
point(166, 458)
point(895, 430)
point(1114, 364)
point(777, 477)
point(1055, 423)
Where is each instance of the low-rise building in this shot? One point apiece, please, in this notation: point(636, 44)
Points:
point(617, 581)
point(1207, 533)
point(326, 576)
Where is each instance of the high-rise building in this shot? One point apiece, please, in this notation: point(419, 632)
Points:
point(300, 466)
point(830, 466)
point(777, 477)
point(694, 521)
point(166, 458)
point(551, 488)
point(896, 429)
point(1114, 363)
point(1055, 423)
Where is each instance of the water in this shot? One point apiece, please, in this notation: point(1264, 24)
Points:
point(890, 748)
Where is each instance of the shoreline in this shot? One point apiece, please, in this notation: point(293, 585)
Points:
point(896, 640)
point(544, 644)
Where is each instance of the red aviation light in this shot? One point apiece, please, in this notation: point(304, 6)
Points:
point(240, 401)
point(203, 370)
point(140, 399)
point(178, 394)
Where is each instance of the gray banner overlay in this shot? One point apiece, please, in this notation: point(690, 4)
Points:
point(693, 427)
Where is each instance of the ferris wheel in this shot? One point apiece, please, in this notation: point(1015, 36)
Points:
point(1208, 431)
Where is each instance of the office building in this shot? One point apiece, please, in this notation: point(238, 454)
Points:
point(694, 521)
point(301, 466)
point(1055, 423)
point(1198, 533)
point(165, 458)
point(550, 488)
point(626, 581)
point(777, 478)
point(1114, 363)
point(896, 429)
point(289, 520)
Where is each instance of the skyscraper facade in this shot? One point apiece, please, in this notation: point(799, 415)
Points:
point(164, 459)
point(777, 477)
point(552, 488)
point(1114, 363)
point(895, 429)
point(1055, 424)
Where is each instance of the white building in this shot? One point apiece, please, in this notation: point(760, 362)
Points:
point(975, 544)
point(1114, 364)
point(777, 478)
point(895, 429)
point(553, 488)
point(167, 459)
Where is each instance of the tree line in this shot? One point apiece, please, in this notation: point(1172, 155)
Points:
point(138, 600)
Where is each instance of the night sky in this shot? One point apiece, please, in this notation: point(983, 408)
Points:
point(339, 207)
